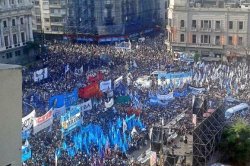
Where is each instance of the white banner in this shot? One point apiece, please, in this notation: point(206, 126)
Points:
point(57, 112)
point(83, 107)
point(118, 81)
point(110, 103)
point(169, 96)
point(40, 74)
point(105, 85)
point(196, 90)
point(43, 122)
point(27, 121)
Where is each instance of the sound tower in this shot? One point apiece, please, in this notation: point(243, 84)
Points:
point(156, 139)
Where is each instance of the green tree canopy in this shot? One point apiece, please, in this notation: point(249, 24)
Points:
point(236, 143)
point(196, 56)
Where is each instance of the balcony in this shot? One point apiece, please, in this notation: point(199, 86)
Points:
point(205, 30)
point(182, 28)
point(194, 29)
point(217, 30)
point(198, 45)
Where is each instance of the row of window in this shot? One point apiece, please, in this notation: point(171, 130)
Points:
point(206, 39)
point(9, 55)
point(207, 24)
point(12, 2)
point(14, 38)
point(13, 22)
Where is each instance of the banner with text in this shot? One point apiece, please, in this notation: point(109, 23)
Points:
point(70, 120)
point(43, 122)
point(86, 106)
point(27, 121)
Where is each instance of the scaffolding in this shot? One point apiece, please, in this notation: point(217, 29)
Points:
point(206, 136)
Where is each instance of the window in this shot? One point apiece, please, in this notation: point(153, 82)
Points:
point(9, 55)
point(21, 21)
point(230, 40)
point(217, 24)
point(217, 40)
point(240, 41)
point(6, 41)
point(206, 24)
point(194, 39)
point(22, 37)
point(205, 39)
point(14, 39)
point(182, 23)
point(5, 24)
point(13, 22)
point(46, 19)
point(18, 53)
point(12, 2)
point(240, 25)
point(230, 24)
point(193, 23)
point(182, 38)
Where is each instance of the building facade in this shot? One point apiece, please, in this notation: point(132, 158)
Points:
point(11, 115)
point(15, 29)
point(98, 17)
point(212, 27)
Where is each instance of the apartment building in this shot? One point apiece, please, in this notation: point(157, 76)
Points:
point(49, 16)
point(212, 27)
point(15, 29)
point(96, 17)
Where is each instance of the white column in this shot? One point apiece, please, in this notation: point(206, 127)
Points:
point(18, 30)
point(10, 29)
point(30, 29)
point(1, 34)
point(7, 3)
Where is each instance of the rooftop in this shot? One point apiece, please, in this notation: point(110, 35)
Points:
point(9, 66)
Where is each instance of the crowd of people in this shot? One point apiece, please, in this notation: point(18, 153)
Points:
point(142, 59)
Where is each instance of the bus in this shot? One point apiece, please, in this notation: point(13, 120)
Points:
point(240, 108)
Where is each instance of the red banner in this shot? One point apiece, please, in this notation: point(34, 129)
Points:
point(90, 91)
point(97, 78)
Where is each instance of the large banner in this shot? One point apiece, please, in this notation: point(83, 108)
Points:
point(56, 101)
point(118, 81)
point(169, 96)
point(70, 120)
point(89, 91)
point(66, 99)
point(27, 121)
point(71, 98)
point(176, 79)
point(40, 74)
point(86, 106)
point(105, 85)
point(109, 104)
point(43, 122)
point(196, 90)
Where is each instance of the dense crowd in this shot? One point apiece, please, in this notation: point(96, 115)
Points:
point(142, 59)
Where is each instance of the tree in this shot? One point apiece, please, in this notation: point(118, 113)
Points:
point(196, 56)
point(236, 143)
